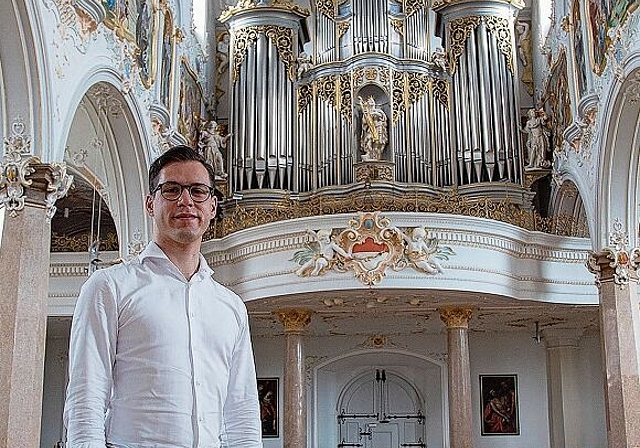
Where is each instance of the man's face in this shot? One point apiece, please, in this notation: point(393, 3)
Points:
point(181, 221)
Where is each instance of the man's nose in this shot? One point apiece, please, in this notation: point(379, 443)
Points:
point(185, 197)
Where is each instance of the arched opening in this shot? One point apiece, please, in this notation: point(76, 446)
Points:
point(619, 156)
point(380, 398)
point(567, 207)
point(105, 147)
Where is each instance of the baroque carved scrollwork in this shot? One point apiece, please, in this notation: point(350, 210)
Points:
point(280, 36)
point(500, 27)
point(618, 259)
point(18, 165)
point(16, 168)
point(305, 95)
point(413, 6)
point(367, 248)
point(326, 7)
point(461, 29)
point(58, 186)
point(346, 99)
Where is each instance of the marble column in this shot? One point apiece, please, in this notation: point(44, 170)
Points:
point(460, 415)
point(563, 387)
point(616, 272)
point(28, 190)
point(294, 322)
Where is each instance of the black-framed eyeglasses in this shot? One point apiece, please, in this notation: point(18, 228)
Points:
point(172, 191)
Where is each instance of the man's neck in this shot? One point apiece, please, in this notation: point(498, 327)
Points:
point(186, 257)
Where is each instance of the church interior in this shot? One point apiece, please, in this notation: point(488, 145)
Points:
point(429, 207)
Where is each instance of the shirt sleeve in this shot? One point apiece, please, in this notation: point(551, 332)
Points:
point(241, 413)
point(92, 351)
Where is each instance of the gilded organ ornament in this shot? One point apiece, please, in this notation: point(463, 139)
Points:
point(280, 36)
point(368, 247)
point(461, 29)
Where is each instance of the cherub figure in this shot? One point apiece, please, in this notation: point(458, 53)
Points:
point(440, 59)
point(422, 251)
point(319, 255)
point(304, 64)
point(211, 140)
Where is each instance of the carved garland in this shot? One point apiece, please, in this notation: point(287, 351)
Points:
point(280, 36)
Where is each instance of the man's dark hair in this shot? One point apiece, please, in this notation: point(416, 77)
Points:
point(179, 153)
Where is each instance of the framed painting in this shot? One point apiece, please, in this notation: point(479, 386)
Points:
point(579, 58)
point(556, 100)
point(190, 104)
point(597, 12)
point(268, 398)
point(166, 58)
point(499, 405)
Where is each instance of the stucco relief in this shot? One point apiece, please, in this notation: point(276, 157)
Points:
point(368, 247)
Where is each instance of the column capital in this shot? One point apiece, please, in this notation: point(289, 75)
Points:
point(617, 263)
point(294, 320)
point(24, 180)
point(456, 317)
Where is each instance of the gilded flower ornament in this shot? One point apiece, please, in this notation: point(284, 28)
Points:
point(15, 168)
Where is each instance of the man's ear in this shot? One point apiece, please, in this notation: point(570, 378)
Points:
point(149, 205)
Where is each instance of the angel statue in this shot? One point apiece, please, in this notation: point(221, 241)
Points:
point(423, 252)
point(318, 256)
point(537, 140)
point(211, 140)
point(374, 130)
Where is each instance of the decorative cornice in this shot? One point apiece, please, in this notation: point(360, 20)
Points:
point(456, 317)
point(294, 321)
point(259, 7)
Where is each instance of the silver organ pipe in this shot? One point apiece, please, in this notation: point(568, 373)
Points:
point(450, 129)
point(496, 97)
point(485, 101)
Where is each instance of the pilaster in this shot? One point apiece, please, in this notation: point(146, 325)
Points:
point(616, 275)
point(28, 190)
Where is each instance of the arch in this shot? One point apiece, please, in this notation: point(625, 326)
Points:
point(22, 74)
point(566, 203)
point(105, 142)
point(428, 374)
point(619, 156)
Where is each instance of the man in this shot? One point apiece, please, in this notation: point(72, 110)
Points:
point(160, 354)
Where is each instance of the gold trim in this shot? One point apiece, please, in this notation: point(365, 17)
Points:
point(342, 28)
point(397, 25)
point(280, 36)
point(456, 317)
point(461, 29)
point(413, 6)
point(238, 217)
point(501, 30)
point(327, 7)
point(459, 32)
point(80, 243)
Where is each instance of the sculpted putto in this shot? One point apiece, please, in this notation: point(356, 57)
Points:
point(210, 144)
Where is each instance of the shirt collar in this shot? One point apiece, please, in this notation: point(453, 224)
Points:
point(153, 251)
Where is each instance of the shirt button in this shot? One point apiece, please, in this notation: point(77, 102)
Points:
point(198, 383)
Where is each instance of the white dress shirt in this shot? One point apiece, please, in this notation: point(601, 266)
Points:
point(159, 361)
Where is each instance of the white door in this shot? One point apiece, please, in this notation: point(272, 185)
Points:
point(381, 410)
